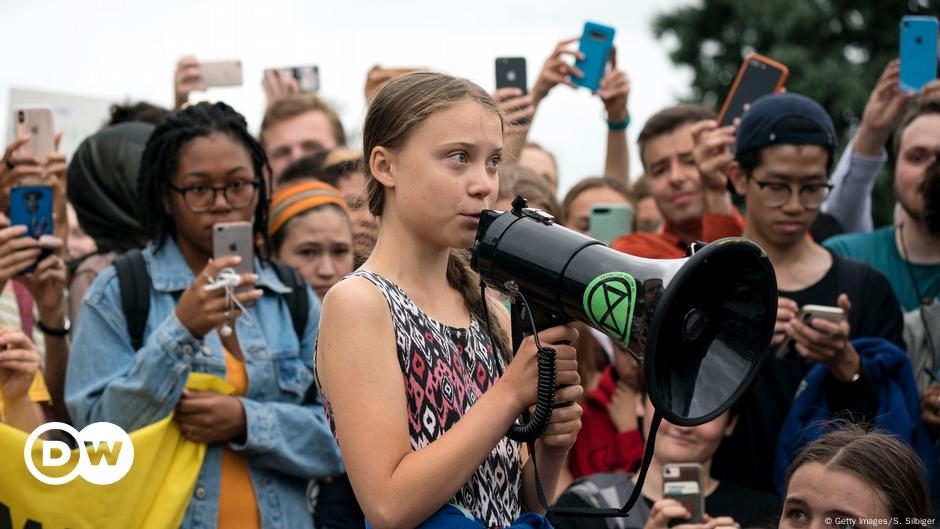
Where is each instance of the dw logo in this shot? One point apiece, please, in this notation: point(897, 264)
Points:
point(105, 453)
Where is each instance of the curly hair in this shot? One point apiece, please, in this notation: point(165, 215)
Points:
point(160, 160)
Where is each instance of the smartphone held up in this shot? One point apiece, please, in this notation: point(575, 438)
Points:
point(35, 122)
point(597, 42)
point(758, 76)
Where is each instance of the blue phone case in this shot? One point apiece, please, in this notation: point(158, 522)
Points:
point(918, 52)
point(596, 43)
point(31, 206)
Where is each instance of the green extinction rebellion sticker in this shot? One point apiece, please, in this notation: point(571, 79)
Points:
point(609, 301)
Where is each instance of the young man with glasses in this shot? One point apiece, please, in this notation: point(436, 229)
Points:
point(784, 151)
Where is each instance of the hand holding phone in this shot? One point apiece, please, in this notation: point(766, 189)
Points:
point(235, 238)
point(806, 315)
point(597, 41)
point(685, 483)
point(31, 207)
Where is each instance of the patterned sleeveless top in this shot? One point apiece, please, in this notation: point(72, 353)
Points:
point(445, 370)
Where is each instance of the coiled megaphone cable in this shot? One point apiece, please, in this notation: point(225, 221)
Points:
point(533, 427)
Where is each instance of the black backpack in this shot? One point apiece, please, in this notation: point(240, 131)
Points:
point(135, 296)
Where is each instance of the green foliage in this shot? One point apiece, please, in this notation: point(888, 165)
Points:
point(835, 50)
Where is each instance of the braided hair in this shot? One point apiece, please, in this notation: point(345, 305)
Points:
point(159, 162)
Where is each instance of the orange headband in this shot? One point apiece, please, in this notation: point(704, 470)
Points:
point(298, 198)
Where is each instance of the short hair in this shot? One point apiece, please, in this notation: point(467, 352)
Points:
point(329, 167)
point(926, 107)
point(308, 167)
point(518, 180)
point(139, 111)
point(586, 185)
point(667, 120)
point(293, 106)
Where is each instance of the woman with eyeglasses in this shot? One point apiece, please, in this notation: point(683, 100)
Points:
point(201, 167)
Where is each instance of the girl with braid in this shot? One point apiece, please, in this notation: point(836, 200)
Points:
point(419, 396)
point(201, 167)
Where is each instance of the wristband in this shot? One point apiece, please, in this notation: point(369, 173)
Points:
point(618, 125)
point(52, 331)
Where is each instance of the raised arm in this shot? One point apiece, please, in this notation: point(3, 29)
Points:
point(614, 92)
point(854, 176)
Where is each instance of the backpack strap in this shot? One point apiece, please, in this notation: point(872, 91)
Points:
point(135, 296)
point(298, 303)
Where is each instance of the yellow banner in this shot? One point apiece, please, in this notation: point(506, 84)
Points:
point(154, 494)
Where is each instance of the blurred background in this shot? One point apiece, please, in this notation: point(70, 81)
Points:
point(85, 55)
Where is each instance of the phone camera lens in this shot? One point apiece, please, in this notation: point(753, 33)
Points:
point(21, 116)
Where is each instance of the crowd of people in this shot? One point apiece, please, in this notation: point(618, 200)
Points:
point(373, 386)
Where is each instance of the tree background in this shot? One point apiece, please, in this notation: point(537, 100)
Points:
point(835, 51)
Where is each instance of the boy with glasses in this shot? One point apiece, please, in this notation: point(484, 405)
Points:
point(785, 145)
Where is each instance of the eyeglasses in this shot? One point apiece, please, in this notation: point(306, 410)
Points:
point(199, 198)
point(776, 194)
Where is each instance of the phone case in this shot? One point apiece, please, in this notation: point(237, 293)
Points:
point(684, 483)
point(610, 221)
point(511, 73)
point(918, 52)
point(749, 85)
point(222, 73)
point(597, 41)
point(235, 238)
point(37, 123)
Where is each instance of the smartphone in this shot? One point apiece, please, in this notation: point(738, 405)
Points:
point(511, 73)
point(806, 315)
point(610, 221)
point(918, 52)
point(758, 76)
point(597, 41)
point(31, 206)
point(37, 123)
point(307, 77)
point(684, 482)
point(222, 73)
point(235, 238)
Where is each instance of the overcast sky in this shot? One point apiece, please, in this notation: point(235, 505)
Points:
point(125, 49)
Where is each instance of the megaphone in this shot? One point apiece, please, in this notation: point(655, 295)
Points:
point(699, 325)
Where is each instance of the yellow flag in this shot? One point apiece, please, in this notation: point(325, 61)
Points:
point(153, 495)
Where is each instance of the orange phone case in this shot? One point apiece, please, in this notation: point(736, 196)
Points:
point(737, 79)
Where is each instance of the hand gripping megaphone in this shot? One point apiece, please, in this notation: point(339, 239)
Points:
point(699, 326)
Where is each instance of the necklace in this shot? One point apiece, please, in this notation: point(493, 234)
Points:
point(924, 300)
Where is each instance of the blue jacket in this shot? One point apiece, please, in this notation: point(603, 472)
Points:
point(898, 407)
point(288, 441)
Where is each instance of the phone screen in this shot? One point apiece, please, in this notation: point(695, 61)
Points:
point(757, 80)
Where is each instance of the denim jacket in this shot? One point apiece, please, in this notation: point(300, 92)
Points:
point(288, 441)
